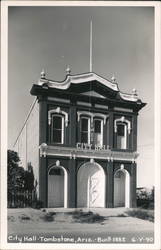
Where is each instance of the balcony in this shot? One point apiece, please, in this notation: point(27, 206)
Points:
point(86, 153)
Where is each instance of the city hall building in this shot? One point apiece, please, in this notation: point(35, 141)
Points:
point(80, 137)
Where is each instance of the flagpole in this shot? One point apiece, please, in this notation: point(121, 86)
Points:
point(90, 67)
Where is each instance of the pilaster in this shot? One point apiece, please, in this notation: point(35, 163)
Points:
point(73, 121)
point(72, 184)
point(111, 130)
point(42, 160)
point(43, 181)
point(43, 122)
point(133, 184)
point(110, 185)
point(134, 140)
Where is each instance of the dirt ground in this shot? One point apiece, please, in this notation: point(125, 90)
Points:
point(116, 225)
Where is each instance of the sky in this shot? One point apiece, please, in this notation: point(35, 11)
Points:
point(51, 38)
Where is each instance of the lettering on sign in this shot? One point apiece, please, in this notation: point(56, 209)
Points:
point(86, 146)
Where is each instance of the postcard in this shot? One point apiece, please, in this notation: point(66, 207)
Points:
point(80, 125)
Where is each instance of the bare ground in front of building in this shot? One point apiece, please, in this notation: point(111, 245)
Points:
point(93, 223)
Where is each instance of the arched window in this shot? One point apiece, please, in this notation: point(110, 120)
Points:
point(57, 128)
point(57, 121)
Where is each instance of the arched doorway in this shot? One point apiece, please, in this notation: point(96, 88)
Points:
point(91, 185)
point(57, 187)
point(122, 188)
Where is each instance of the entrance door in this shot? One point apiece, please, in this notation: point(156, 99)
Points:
point(122, 188)
point(91, 186)
point(56, 187)
point(119, 189)
point(95, 198)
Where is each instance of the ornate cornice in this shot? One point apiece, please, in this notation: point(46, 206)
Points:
point(76, 79)
point(88, 78)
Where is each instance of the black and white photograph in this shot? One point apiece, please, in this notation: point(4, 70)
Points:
point(79, 123)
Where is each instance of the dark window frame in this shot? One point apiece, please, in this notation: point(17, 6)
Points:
point(101, 132)
point(125, 136)
point(88, 132)
point(62, 129)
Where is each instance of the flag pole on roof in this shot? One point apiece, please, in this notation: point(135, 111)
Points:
point(90, 67)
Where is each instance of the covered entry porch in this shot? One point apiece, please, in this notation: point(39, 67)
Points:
point(93, 186)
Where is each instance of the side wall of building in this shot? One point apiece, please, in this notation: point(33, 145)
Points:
point(27, 144)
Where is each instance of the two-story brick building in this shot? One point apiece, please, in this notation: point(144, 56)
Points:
point(81, 138)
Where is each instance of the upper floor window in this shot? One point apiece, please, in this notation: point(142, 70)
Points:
point(57, 121)
point(98, 132)
point(122, 130)
point(122, 136)
point(85, 130)
point(91, 127)
point(57, 129)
